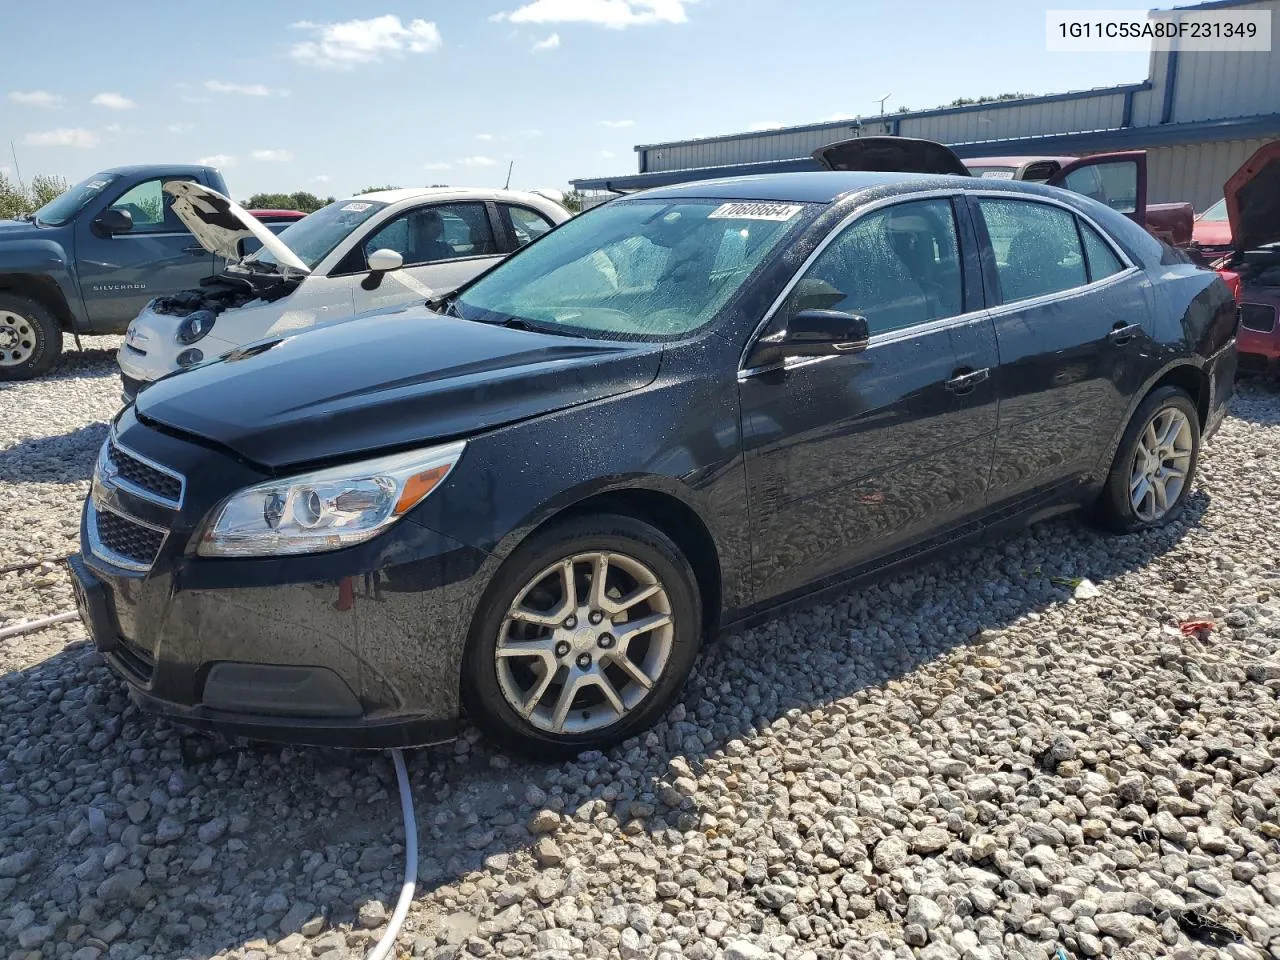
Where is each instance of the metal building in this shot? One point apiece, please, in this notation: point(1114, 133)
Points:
point(1198, 114)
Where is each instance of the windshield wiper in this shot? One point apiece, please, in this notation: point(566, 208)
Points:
point(520, 323)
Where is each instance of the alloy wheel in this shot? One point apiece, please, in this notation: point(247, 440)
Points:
point(17, 339)
point(1161, 464)
point(584, 642)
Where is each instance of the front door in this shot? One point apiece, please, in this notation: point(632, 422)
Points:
point(850, 458)
point(1118, 180)
point(1071, 320)
point(119, 274)
point(443, 245)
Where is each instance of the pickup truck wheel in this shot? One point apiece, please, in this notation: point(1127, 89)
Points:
point(30, 338)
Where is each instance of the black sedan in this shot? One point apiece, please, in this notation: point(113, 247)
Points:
point(665, 418)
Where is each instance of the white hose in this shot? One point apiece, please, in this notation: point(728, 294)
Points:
point(383, 946)
point(30, 625)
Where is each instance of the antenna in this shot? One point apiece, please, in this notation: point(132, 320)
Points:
point(17, 170)
point(510, 167)
point(881, 102)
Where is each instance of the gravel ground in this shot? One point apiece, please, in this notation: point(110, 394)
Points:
point(962, 762)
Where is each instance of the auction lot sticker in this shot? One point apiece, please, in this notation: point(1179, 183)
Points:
point(755, 211)
point(1126, 31)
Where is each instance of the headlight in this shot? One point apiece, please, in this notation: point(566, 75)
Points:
point(328, 509)
point(195, 325)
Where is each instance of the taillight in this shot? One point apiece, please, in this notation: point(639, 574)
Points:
point(1232, 280)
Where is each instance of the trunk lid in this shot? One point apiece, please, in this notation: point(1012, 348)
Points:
point(219, 223)
point(891, 155)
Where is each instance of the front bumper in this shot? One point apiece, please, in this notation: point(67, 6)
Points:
point(361, 647)
point(151, 348)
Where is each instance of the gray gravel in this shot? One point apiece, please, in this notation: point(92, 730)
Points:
point(962, 762)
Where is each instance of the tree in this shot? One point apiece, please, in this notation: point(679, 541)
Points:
point(302, 200)
point(573, 201)
point(388, 186)
point(15, 200)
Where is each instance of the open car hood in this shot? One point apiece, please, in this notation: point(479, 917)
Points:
point(1253, 200)
point(220, 223)
point(891, 155)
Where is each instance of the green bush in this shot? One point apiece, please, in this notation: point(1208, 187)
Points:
point(15, 199)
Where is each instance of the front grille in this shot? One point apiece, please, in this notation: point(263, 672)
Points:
point(161, 484)
point(127, 538)
point(1259, 317)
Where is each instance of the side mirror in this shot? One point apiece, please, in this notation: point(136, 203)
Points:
point(112, 221)
point(813, 333)
point(380, 262)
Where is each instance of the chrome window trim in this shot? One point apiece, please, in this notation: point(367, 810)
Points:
point(121, 483)
point(930, 326)
point(97, 548)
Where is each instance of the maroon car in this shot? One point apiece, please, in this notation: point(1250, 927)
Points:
point(1252, 198)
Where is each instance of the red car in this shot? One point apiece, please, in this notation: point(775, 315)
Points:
point(1252, 204)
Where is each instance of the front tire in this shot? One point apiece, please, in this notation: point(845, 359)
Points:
point(584, 638)
point(1155, 465)
point(30, 338)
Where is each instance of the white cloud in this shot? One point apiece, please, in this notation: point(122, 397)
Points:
point(113, 101)
point(181, 127)
point(321, 178)
point(551, 43)
point(342, 45)
point(244, 89)
point(272, 156)
point(437, 166)
point(478, 162)
point(484, 136)
point(189, 99)
point(608, 154)
point(37, 98)
point(615, 14)
point(62, 137)
point(531, 132)
point(617, 124)
point(114, 128)
point(765, 125)
point(218, 160)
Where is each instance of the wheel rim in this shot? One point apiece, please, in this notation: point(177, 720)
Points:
point(17, 339)
point(1161, 464)
point(584, 642)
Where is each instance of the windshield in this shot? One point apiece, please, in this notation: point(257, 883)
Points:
point(314, 236)
point(1215, 214)
point(634, 269)
point(66, 205)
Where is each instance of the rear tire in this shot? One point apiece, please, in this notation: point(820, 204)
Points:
point(549, 675)
point(1155, 464)
point(30, 338)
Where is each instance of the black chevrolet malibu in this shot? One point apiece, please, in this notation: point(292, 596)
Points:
point(665, 418)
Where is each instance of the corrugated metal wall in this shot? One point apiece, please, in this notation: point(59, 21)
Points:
point(1211, 86)
point(1196, 172)
point(999, 123)
point(749, 148)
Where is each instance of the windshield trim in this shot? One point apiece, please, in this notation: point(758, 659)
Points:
point(801, 222)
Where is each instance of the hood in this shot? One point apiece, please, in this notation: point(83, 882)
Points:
point(10, 229)
point(220, 223)
point(384, 381)
point(1253, 199)
point(890, 155)
point(1212, 234)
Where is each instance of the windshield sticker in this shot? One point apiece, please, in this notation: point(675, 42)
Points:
point(356, 207)
point(755, 211)
point(97, 184)
point(997, 174)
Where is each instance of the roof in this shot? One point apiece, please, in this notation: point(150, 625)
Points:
point(178, 169)
point(459, 193)
point(819, 186)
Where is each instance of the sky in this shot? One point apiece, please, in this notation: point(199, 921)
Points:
point(333, 96)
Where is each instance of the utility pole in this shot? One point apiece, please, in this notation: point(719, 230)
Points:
point(510, 167)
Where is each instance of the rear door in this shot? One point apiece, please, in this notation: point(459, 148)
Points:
point(522, 225)
point(1118, 180)
point(851, 458)
point(159, 256)
point(443, 245)
point(1071, 320)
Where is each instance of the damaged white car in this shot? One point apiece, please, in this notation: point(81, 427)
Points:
point(352, 257)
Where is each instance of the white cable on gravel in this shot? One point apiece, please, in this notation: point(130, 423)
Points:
point(29, 626)
point(383, 947)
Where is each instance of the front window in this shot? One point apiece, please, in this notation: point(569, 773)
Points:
point(635, 269)
point(151, 208)
point(313, 237)
point(1215, 214)
point(1114, 183)
point(62, 208)
point(445, 231)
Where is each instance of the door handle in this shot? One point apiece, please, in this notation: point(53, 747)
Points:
point(1122, 333)
point(964, 380)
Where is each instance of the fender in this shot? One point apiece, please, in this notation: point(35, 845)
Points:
point(50, 260)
